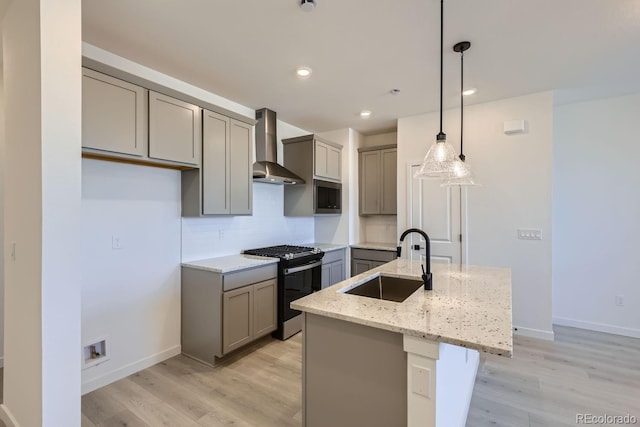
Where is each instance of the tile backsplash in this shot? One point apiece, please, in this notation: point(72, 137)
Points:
point(228, 235)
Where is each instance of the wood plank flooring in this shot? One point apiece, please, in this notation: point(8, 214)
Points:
point(545, 384)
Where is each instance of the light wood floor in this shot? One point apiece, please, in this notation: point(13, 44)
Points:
point(544, 384)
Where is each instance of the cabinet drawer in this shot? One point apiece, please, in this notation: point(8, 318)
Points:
point(337, 255)
point(245, 277)
point(373, 254)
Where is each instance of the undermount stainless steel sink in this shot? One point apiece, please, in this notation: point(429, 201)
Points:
point(386, 287)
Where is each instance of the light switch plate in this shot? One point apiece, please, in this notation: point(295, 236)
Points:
point(529, 234)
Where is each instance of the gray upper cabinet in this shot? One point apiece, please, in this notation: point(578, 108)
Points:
point(113, 114)
point(174, 129)
point(241, 172)
point(227, 185)
point(328, 161)
point(378, 180)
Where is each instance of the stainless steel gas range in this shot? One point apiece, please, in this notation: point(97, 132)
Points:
point(299, 274)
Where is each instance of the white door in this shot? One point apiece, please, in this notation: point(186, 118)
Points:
point(437, 211)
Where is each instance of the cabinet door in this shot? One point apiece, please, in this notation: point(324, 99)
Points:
point(369, 182)
point(337, 272)
point(375, 264)
point(334, 163)
point(325, 277)
point(241, 168)
point(237, 318)
point(327, 161)
point(388, 185)
point(321, 156)
point(359, 266)
point(215, 164)
point(113, 116)
point(174, 129)
point(265, 309)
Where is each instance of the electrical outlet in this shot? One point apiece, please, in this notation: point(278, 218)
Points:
point(529, 234)
point(421, 380)
point(220, 234)
point(116, 242)
point(619, 300)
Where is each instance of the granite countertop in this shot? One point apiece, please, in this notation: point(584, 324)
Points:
point(469, 306)
point(327, 247)
point(376, 245)
point(231, 263)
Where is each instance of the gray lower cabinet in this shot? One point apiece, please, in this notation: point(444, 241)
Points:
point(333, 268)
point(248, 313)
point(365, 259)
point(378, 180)
point(175, 132)
point(223, 312)
point(113, 115)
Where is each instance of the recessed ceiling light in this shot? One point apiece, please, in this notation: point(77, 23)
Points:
point(303, 72)
point(469, 91)
point(365, 114)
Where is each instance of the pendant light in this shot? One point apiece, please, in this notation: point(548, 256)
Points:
point(462, 175)
point(439, 161)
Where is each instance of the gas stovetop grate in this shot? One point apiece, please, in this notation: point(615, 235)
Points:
point(284, 251)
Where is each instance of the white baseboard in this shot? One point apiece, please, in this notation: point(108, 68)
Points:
point(533, 333)
point(599, 327)
point(7, 417)
point(129, 369)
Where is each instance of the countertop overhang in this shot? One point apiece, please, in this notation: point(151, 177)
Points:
point(469, 306)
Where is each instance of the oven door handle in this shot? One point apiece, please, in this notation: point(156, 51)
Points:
point(302, 268)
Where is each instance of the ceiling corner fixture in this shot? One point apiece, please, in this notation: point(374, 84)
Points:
point(462, 175)
point(365, 114)
point(438, 162)
point(303, 72)
point(470, 91)
point(308, 5)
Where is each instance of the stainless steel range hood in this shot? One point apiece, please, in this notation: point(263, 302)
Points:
point(266, 169)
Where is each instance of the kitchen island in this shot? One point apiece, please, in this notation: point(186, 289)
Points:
point(373, 362)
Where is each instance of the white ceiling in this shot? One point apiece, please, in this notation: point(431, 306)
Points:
point(359, 50)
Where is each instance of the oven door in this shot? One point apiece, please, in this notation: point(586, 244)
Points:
point(298, 282)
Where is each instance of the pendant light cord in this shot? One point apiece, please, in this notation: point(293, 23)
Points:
point(461, 102)
point(441, 136)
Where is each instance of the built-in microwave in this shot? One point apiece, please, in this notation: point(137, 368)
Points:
point(327, 197)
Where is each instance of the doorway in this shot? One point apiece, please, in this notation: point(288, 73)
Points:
point(441, 213)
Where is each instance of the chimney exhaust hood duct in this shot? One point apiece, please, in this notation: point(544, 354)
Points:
point(266, 169)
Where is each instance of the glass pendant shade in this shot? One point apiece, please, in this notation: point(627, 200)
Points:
point(461, 176)
point(439, 161)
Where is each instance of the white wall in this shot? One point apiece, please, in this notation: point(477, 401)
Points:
point(2, 244)
point(379, 228)
point(42, 81)
point(516, 175)
point(131, 295)
point(595, 215)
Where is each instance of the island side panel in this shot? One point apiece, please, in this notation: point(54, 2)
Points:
point(353, 375)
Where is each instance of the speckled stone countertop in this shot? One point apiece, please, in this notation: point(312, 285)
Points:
point(469, 306)
point(379, 246)
point(231, 263)
point(327, 247)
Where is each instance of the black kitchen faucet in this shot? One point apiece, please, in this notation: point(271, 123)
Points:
point(426, 275)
